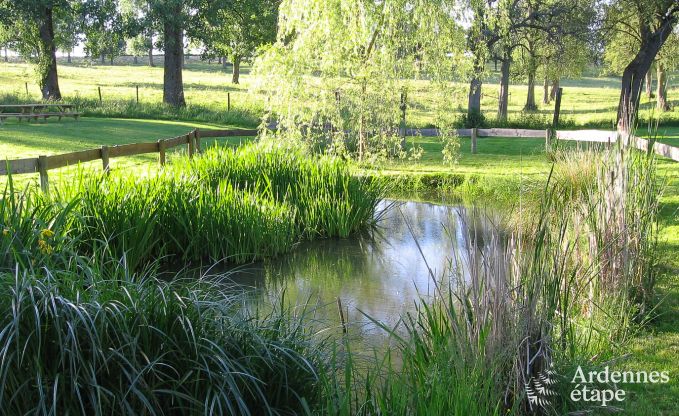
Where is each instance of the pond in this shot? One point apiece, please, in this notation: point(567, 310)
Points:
point(379, 276)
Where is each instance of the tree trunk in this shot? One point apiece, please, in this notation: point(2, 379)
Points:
point(651, 42)
point(151, 63)
point(503, 99)
point(68, 56)
point(649, 84)
point(111, 59)
point(530, 98)
point(173, 85)
point(663, 105)
point(219, 60)
point(135, 60)
point(235, 72)
point(555, 88)
point(224, 62)
point(545, 92)
point(102, 58)
point(47, 55)
point(6, 57)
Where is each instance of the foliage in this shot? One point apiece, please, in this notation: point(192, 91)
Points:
point(338, 70)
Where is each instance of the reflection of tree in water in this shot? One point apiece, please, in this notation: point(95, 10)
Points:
point(382, 274)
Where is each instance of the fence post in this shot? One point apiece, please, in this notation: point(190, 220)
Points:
point(27, 89)
point(228, 101)
point(475, 133)
point(548, 140)
point(99, 89)
point(105, 158)
point(189, 140)
point(402, 127)
point(161, 152)
point(137, 86)
point(557, 108)
point(196, 135)
point(42, 168)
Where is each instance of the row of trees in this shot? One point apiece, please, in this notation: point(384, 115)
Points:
point(538, 40)
point(221, 28)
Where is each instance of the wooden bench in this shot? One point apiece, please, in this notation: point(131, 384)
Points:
point(39, 115)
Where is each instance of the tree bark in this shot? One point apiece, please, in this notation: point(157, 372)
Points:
point(555, 88)
point(219, 60)
point(649, 84)
point(173, 85)
point(545, 92)
point(223, 62)
point(530, 98)
point(68, 56)
point(503, 98)
point(102, 58)
point(111, 59)
point(136, 61)
point(6, 57)
point(47, 57)
point(651, 42)
point(151, 63)
point(662, 104)
point(235, 71)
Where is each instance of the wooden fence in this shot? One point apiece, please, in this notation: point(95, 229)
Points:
point(43, 164)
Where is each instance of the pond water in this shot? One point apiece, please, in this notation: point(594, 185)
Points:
point(382, 274)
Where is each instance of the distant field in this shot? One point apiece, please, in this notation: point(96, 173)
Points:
point(588, 101)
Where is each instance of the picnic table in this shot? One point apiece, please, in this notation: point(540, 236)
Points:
point(37, 111)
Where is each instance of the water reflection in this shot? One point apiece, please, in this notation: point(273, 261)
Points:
point(382, 274)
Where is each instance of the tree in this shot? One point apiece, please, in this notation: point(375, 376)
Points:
point(359, 55)
point(104, 29)
point(242, 30)
point(173, 20)
point(653, 21)
point(497, 29)
point(32, 24)
point(142, 44)
point(624, 40)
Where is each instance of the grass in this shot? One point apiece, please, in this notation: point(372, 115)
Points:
point(236, 205)
point(88, 341)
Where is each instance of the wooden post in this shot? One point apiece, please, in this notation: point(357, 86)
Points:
point(27, 89)
point(548, 140)
point(228, 101)
point(137, 94)
point(557, 108)
point(161, 152)
point(105, 159)
point(189, 141)
point(196, 134)
point(475, 133)
point(402, 127)
point(44, 179)
point(99, 89)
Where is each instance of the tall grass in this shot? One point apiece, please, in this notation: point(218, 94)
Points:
point(236, 205)
point(565, 289)
point(101, 341)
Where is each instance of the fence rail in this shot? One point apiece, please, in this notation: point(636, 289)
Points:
point(192, 140)
point(43, 164)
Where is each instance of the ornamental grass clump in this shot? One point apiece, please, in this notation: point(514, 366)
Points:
point(103, 341)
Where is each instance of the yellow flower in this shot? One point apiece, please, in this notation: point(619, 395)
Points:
point(5, 232)
point(44, 247)
point(47, 233)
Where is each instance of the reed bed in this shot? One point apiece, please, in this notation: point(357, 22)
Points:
point(566, 288)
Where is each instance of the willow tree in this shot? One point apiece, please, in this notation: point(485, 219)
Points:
point(339, 69)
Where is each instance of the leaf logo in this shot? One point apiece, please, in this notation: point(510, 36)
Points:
point(538, 390)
